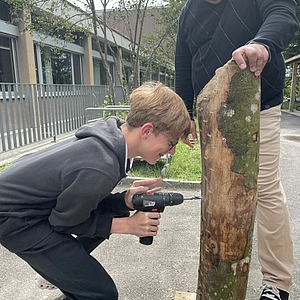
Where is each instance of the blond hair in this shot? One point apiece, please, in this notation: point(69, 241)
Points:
point(156, 103)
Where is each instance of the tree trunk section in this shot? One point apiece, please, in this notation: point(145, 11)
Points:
point(228, 114)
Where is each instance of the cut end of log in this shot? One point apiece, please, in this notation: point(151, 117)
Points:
point(185, 296)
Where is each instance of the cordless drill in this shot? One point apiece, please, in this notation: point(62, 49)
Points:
point(156, 203)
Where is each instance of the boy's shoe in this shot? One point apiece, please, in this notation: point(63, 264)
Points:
point(269, 292)
point(43, 284)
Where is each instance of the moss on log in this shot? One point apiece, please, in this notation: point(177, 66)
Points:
point(228, 114)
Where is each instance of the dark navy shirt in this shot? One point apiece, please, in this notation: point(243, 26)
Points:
point(209, 33)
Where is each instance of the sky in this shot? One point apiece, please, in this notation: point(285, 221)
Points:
point(98, 3)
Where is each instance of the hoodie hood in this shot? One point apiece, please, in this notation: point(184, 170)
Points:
point(103, 129)
point(108, 131)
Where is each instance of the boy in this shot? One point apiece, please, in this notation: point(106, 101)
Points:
point(48, 197)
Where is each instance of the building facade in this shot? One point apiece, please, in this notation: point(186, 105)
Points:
point(33, 57)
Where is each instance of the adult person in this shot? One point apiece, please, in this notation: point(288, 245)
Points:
point(252, 32)
point(48, 197)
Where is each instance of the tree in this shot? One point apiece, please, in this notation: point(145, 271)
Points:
point(98, 22)
point(149, 48)
point(294, 48)
point(42, 18)
point(159, 46)
point(72, 23)
point(129, 16)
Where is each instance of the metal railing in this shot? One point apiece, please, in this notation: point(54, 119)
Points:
point(91, 113)
point(30, 113)
point(293, 62)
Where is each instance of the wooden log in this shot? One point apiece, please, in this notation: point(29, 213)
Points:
point(228, 114)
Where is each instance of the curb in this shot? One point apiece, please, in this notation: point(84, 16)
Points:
point(11, 155)
point(291, 112)
point(167, 183)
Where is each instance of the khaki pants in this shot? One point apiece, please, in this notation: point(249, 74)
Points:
point(275, 246)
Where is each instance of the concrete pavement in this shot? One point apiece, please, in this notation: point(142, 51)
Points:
point(170, 264)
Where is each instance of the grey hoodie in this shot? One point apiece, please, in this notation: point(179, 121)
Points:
point(65, 188)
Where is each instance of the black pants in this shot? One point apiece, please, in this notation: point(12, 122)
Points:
point(65, 261)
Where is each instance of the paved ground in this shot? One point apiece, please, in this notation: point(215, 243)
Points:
point(156, 272)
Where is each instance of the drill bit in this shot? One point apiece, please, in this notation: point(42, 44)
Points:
point(192, 198)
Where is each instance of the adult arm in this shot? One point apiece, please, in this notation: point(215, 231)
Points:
point(277, 30)
point(183, 75)
point(183, 80)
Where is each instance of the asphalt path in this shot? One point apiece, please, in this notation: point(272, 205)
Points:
point(171, 263)
point(290, 122)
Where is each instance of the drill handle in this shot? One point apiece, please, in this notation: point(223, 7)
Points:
point(146, 240)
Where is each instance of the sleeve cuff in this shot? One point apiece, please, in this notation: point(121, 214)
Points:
point(190, 111)
point(104, 226)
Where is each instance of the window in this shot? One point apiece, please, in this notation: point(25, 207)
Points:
point(6, 60)
point(99, 72)
point(77, 68)
point(78, 38)
point(126, 56)
point(127, 73)
point(102, 45)
point(57, 67)
point(112, 72)
point(4, 12)
point(61, 67)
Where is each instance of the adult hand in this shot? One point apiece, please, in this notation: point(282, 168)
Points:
point(191, 141)
point(148, 186)
point(256, 55)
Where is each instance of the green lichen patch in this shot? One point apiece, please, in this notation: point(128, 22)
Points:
point(238, 121)
point(225, 283)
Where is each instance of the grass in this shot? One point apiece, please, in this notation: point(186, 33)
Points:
point(185, 165)
point(3, 167)
point(286, 105)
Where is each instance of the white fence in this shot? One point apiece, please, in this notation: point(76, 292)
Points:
point(31, 113)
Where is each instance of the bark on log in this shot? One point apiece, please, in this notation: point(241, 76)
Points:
point(228, 114)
